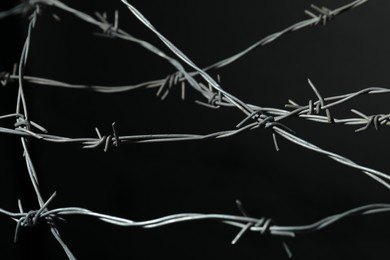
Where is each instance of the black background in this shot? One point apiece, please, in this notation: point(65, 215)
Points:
point(143, 181)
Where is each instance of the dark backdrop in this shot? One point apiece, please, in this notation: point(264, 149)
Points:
point(144, 181)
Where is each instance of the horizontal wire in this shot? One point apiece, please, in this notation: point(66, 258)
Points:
point(232, 220)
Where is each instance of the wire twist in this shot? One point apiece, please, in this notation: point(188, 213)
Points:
point(375, 121)
point(324, 14)
point(109, 29)
point(103, 140)
point(31, 218)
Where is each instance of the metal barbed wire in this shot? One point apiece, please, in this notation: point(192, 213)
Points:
point(264, 226)
point(268, 118)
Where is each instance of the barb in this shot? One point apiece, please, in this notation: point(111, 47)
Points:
point(325, 14)
point(109, 29)
point(5, 78)
point(375, 120)
point(321, 102)
point(247, 226)
point(265, 225)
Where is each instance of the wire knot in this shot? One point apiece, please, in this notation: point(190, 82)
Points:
point(268, 122)
point(375, 121)
point(265, 225)
point(107, 141)
point(108, 28)
point(314, 108)
point(324, 14)
point(5, 78)
point(31, 218)
point(21, 122)
point(215, 100)
point(170, 81)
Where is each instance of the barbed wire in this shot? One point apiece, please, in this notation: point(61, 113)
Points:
point(311, 111)
point(264, 226)
point(216, 96)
